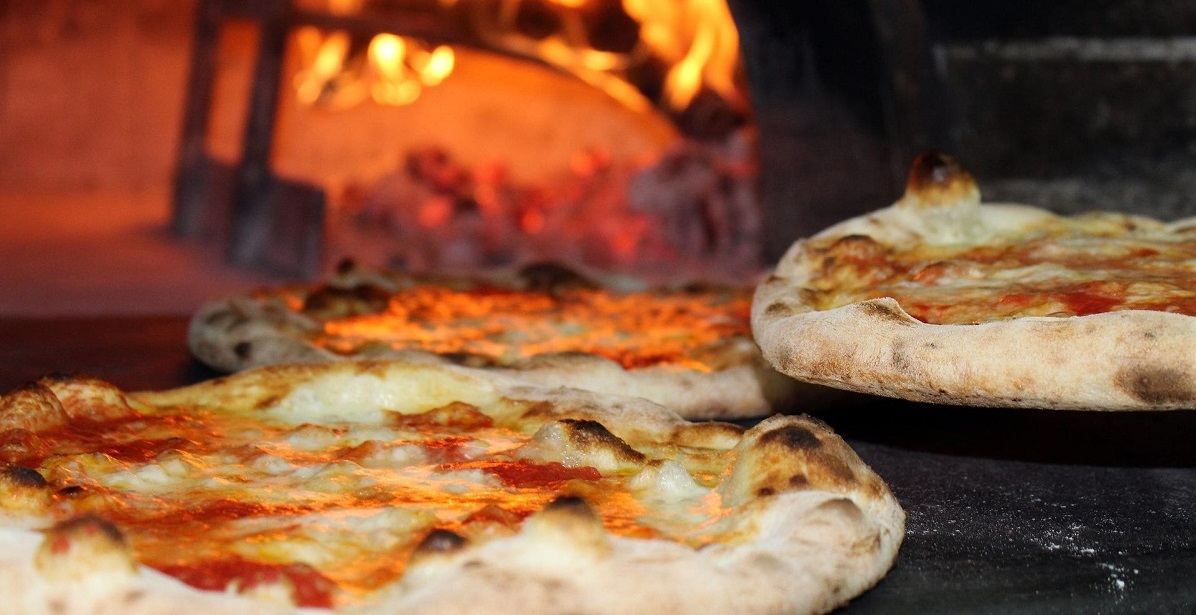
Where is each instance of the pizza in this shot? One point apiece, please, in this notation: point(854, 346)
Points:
point(407, 487)
point(943, 298)
point(688, 348)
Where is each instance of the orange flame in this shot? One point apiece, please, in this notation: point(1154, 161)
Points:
point(697, 39)
point(700, 40)
point(403, 67)
point(397, 70)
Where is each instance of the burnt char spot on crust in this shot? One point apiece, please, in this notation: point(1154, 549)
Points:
point(592, 435)
point(226, 319)
point(824, 460)
point(899, 357)
point(840, 470)
point(32, 407)
point(1157, 385)
point(779, 309)
point(441, 541)
point(932, 170)
point(570, 520)
point(79, 547)
point(268, 401)
point(469, 359)
point(571, 504)
point(330, 302)
point(551, 277)
point(89, 525)
point(796, 453)
point(793, 437)
point(369, 367)
point(937, 180)
point(884, 312)
point(133, 596)
point(856, 247)
point(25, 477)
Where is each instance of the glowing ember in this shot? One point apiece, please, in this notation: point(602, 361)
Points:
point(691, 214)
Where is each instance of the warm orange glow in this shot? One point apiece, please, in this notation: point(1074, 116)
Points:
point(435, 66)
point(345, 7)
point(236, 513)
point(696, 39)
point(387, 52)
point(699, 38)
point(532, 221)
point(403, 67)
point(326, 53)
point(396, 71)
point(634, 329)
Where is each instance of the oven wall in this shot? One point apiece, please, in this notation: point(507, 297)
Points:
point(1072, 104)
point(91, 92)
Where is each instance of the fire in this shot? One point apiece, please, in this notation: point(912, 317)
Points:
point(326, 54)
point(699, 38)
point(396, 70)
point(696, 39)
point(403, 67)
point(438, 203)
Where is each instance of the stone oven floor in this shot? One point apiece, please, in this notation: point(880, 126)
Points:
point(105, 253)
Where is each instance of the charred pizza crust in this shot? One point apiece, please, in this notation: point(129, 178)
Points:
point(799, 524)
point(270, 327)
point(1132, 359)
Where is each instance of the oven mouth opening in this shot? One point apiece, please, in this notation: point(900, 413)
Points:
point(472, 135)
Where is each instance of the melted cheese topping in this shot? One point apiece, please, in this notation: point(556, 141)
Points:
point(233, 497)
point(633, 329)
point(1063, 273)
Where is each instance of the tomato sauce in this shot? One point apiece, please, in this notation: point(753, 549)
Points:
point(634, 329)
point(1085, 300)
point(524, 474)
point(309, 587)
point(190, 531)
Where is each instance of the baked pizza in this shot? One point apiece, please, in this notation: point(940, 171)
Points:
point(688, 348)
point(942, 298)
point(400, 487)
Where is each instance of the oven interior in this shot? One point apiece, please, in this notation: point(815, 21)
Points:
point(266, 132)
